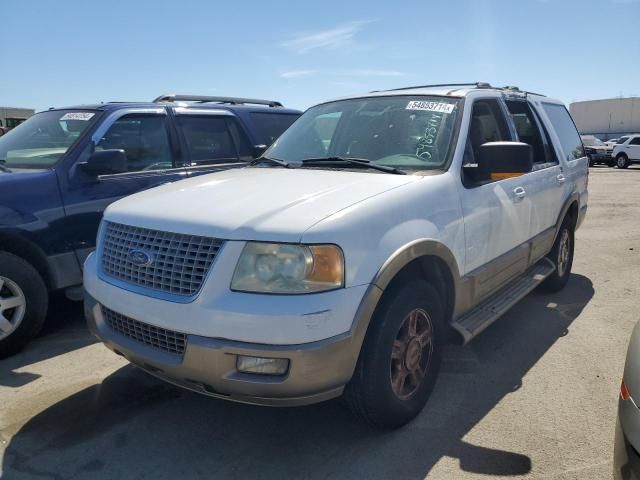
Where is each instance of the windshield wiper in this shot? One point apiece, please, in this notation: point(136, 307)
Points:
point(277, 161)
point(357, 161)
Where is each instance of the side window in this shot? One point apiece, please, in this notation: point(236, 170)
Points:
point(487, 125)
point(565, 128)
point(635, 141)
point(144, 140)
point(207, 139)
point(269, 126)
point(531, 131)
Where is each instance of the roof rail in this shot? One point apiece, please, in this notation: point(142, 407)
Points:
point(474, 84)
point(206, 99)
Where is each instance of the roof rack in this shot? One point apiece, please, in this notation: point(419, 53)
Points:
point(474, 84)
point(206, 99)
point(510, 88)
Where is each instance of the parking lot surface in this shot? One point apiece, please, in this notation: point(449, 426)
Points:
point(534, 396)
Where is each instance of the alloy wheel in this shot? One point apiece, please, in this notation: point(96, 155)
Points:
point(13, 305)
point(411, 353)
point(563, 252)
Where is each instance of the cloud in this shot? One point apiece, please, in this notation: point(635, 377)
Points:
point(363, 72)
point(336, 37)
point(297, 73)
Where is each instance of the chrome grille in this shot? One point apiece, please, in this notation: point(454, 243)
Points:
point(159, 338)
point(178, 262)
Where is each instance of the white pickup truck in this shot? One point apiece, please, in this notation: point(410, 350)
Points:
point(341, 261)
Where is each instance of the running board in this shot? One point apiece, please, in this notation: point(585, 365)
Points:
point(488, 311)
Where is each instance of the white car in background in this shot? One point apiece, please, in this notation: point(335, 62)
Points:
point(627, 150)
point(341, 261)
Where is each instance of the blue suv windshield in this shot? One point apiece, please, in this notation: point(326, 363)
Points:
point(44, 138)
point(404, 132)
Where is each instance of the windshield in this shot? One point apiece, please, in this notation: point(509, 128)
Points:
point(591, 141)
point(44, 138)
point(405, 132)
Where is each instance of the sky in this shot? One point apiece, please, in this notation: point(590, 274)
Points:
point(70, 52)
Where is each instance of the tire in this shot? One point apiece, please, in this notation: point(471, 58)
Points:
point(562, 257)
point(390, 351)
point(23, 303)
point(611, 163)
point(622, 161)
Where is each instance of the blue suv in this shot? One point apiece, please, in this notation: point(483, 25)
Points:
point(61, 168)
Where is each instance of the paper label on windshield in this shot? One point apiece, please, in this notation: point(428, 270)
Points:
point(430, 106)
point(84, 116)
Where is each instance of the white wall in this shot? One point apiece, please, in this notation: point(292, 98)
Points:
point(607, 118)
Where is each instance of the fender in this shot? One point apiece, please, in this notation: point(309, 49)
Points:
point(574, 197)
point(396, 262)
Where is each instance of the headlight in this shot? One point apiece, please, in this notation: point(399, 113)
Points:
point(288, 268)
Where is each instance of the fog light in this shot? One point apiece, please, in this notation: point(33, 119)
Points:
point(263, 366)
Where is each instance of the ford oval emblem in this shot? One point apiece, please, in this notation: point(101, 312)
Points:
point(140, 258)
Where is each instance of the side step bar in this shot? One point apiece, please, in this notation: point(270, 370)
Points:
point(488, 311)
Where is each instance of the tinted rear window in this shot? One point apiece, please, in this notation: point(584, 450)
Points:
point(270, 126)
point(566, 130)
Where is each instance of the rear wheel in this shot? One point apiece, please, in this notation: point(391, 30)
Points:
point(400, 359)
point(622, 161)
point(23, 303)
point(562, 256)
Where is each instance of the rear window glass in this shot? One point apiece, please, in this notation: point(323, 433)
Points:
point(566, 130)
point(270, 126)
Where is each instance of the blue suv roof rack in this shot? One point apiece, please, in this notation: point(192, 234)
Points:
point(207, 99)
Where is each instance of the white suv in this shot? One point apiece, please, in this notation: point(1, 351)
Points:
point(341, 261)
point(627, 150)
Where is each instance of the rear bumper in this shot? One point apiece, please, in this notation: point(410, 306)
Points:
point(318, 370)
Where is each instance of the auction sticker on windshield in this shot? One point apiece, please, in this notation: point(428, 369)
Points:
point(77, 116)
point(430, 106)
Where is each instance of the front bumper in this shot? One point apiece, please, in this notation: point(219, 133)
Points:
point(600, 157)
point(317, 371)
point(626, 459)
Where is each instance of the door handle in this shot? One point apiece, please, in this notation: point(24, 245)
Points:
point(561, 178)
point(519, 194)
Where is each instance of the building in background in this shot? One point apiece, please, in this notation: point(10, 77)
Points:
point(608, 118)
point(12, 117)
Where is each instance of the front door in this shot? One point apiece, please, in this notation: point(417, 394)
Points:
point(497, 214)
point(149, 147)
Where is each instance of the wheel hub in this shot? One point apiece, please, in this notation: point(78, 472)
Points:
point(12, 306)
point(411, 353)
point(563, 253)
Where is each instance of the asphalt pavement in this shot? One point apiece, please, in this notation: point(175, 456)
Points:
point(533, 397)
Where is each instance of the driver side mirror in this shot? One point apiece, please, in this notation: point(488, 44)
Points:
point(105, 162)
point(501, 160)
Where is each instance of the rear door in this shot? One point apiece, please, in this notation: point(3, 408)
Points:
point(150, 145)
point(545, 182)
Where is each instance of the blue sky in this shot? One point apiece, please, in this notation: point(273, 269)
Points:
point(63, 52)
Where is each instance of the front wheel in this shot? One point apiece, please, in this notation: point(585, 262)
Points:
point(400, 358)
point(562, 256)
point(23, 303)
point(622, 161)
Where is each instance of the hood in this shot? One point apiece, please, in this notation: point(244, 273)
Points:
point(252, 203)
